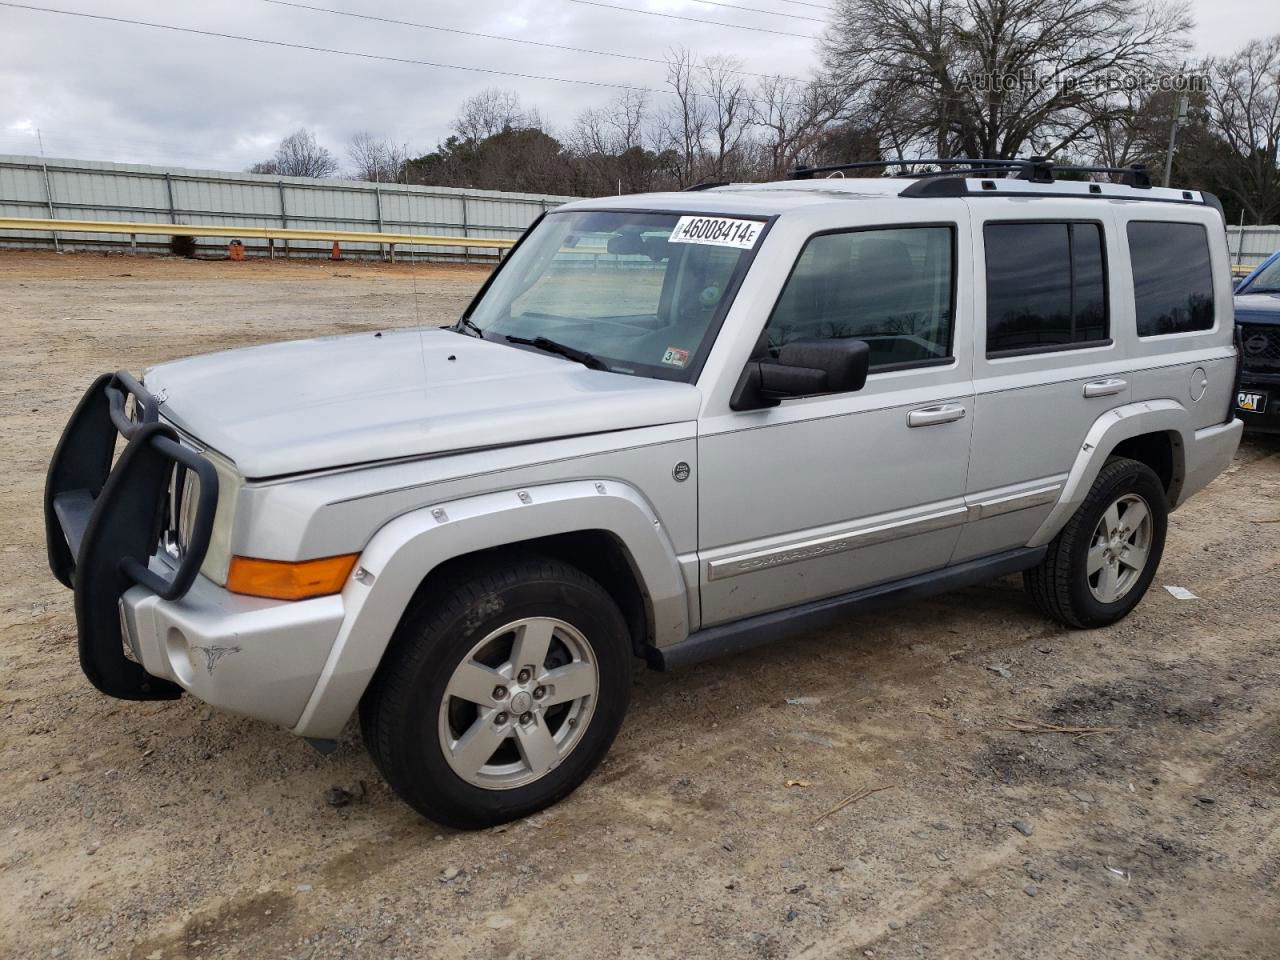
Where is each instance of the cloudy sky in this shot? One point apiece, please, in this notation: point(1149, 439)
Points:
point(106, 90)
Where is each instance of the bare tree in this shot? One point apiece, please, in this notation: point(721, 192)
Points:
point(682, 127)
point(1126, 134)
point(609, 144)
point(993, 78)
point(729, 113)
point(378, 160)
point(1244, 113)
point(792, 116)
point(490, 112)
point(299, 155)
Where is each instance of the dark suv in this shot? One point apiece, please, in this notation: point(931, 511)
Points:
point(1258, 317)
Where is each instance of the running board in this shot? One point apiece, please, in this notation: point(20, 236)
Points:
point(766, 627)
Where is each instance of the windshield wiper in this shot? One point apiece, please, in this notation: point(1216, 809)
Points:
point(466, 323)
point(562, 350)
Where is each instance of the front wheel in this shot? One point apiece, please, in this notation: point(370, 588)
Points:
point(500, 693)
point(1100, 565)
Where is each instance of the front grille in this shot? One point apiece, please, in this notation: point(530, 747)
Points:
point(1260, 347)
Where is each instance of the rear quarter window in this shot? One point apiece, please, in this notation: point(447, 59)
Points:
point(1046, 286)
point(1172, 277)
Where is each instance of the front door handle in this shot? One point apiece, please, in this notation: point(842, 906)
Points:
point(928, 416)
point(1104, 388)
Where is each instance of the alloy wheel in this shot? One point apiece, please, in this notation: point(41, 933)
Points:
point(1119, 548)
point(518, 703)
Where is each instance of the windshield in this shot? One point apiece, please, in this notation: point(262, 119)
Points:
point(1267, 281)
point(640, 293)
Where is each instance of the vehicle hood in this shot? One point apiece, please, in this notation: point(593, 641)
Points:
point(1258, 307)
point(310, 405)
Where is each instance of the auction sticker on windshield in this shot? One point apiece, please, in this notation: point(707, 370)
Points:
point(717, 231)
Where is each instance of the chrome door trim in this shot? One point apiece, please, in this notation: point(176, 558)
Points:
point(862, 535)
point(982, 507)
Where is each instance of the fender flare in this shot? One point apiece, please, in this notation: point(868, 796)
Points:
point(1108, 431)
point(405, 550)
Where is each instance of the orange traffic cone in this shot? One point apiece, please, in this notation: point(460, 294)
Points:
point(336, 254)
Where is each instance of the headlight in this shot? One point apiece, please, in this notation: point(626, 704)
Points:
point(184, 497)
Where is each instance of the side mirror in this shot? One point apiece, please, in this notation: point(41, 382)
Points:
point(803, 368)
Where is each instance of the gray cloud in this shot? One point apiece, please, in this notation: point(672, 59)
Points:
point(112, 91)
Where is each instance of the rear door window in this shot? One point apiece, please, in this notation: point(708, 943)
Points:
point(1046, 286)
point(1172, 277)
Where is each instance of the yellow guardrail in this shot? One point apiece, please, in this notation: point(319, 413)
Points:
point(238, 232)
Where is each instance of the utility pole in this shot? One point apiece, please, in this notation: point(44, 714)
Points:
point(1179, 116)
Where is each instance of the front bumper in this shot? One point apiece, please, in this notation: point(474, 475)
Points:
point(103, 522)
point(150, 628)
point(1268, 385)
point(260, 658)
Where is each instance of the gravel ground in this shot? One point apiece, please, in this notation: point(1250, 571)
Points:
point(167, 830)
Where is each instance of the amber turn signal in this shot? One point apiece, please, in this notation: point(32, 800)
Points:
point(276, 580)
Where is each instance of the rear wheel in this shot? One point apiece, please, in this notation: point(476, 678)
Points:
point(1100, 565)
point(501, 697)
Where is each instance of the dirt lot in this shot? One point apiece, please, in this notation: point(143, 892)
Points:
point(167, 830)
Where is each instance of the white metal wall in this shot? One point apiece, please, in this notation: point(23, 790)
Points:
point(1251, 245)
point(84, 190)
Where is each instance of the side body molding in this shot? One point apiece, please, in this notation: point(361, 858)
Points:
point(1114, 426)
point(409, 547)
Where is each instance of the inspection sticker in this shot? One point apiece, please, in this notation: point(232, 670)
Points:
point(675, 357)
point(717, 231)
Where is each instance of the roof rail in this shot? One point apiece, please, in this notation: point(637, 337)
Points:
point(1032, 169)
point(807, 173)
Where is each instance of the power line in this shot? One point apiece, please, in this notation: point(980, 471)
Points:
point(771, 13)
point(802, 3)
point(713, 23)
point(493, 36)
point(315, 49)
point(353, 53)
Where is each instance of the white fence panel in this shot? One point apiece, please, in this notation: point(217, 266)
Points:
point(85, 190)
point(1249, 246)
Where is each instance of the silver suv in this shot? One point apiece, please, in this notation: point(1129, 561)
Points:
point(669, 427)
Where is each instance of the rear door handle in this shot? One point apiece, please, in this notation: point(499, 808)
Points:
point(928, 416)
point(1104, 388)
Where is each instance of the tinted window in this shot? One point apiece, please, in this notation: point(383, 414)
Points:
point(891, 288)
point(1172, 279)
point(1046, 285)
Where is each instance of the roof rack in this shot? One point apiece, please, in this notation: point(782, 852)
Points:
point(1033, 169)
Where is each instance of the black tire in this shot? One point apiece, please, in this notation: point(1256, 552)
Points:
point(400, 712)
point(1060, 584)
